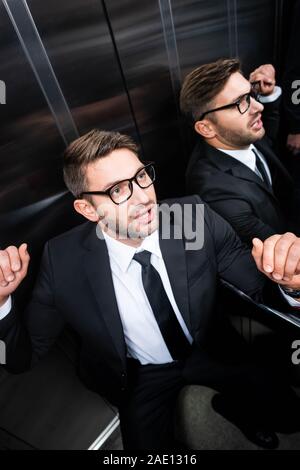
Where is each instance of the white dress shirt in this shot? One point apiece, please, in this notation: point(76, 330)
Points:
point(6, 308)
point(142, 335)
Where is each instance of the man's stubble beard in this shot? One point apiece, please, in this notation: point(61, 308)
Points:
point(237, 139)
point(118, 229)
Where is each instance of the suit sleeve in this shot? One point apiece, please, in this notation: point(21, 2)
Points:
point(29, 339)
point(234, 261)
point(241, 217)
point(271, 118)
point(236, 265)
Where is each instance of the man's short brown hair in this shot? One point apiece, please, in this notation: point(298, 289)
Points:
point(203, 84)
point(88, 149)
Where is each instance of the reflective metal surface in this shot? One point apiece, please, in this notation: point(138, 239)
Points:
point(207, 30)
point(36, 55)
point(30, 146)
point(140, 40)
point(255, 32)
point(114, 63)
point(78, 42)
point(201, 30)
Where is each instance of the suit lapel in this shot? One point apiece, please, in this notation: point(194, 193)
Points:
point(242, 171)
point(274, 163)
point(173, 253)
point(231, 165)
point(97, 268)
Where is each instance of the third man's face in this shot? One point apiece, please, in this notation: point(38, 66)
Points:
point(235, 130)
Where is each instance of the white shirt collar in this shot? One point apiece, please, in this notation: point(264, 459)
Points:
point(245, 156)
point(122, 254)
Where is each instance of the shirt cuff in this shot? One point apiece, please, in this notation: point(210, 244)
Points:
point(273, 97)
point(290, 300)
point(6, 308)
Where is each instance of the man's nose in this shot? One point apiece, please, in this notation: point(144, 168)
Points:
point(256, 106)
point(140, 194)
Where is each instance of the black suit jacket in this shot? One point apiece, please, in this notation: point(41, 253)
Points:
point(75, 286)
point(237, 193)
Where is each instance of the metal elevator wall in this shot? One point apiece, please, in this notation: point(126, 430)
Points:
point(116, 65)
point(74, 65)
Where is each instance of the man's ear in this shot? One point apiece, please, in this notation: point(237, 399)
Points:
point(205, 128)
point(85, 208)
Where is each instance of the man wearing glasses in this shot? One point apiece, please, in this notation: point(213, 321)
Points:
point(233, 166)
point(142, 303)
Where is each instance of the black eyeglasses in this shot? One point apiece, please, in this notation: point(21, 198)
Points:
point(122, 191)
point(242, 103)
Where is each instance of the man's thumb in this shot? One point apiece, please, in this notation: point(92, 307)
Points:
point(23, 251)
point(257, 246)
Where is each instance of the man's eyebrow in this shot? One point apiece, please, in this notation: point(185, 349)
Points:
point(109, 185)
point(243, 94)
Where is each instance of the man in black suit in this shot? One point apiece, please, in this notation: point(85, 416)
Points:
point(142, 297)
point(233, 166)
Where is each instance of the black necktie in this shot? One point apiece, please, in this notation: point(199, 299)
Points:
point(169, 326)
point(261, 168)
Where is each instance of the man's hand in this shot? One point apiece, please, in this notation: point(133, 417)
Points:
point(293, 143)
point(278, 257)
point(265, 75)
point(13, 268)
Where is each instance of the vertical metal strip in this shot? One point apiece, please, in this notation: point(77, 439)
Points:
point(171, 43)
point(277, 49)
point(112, 36)
point(232, 28)
point(230, 41)
point(167, 21)
point(236, 39)
point(35, 52)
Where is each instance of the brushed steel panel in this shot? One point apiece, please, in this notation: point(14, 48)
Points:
point(77, 40)
point(30, 146)
point(138, 31)
point(201, 30)
point(256, 32)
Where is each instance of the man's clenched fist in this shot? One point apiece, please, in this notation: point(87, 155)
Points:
point(13, 268)
point(278, 257)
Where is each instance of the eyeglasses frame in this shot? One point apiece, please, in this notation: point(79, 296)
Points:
point(130, 180)
point(252, 94)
